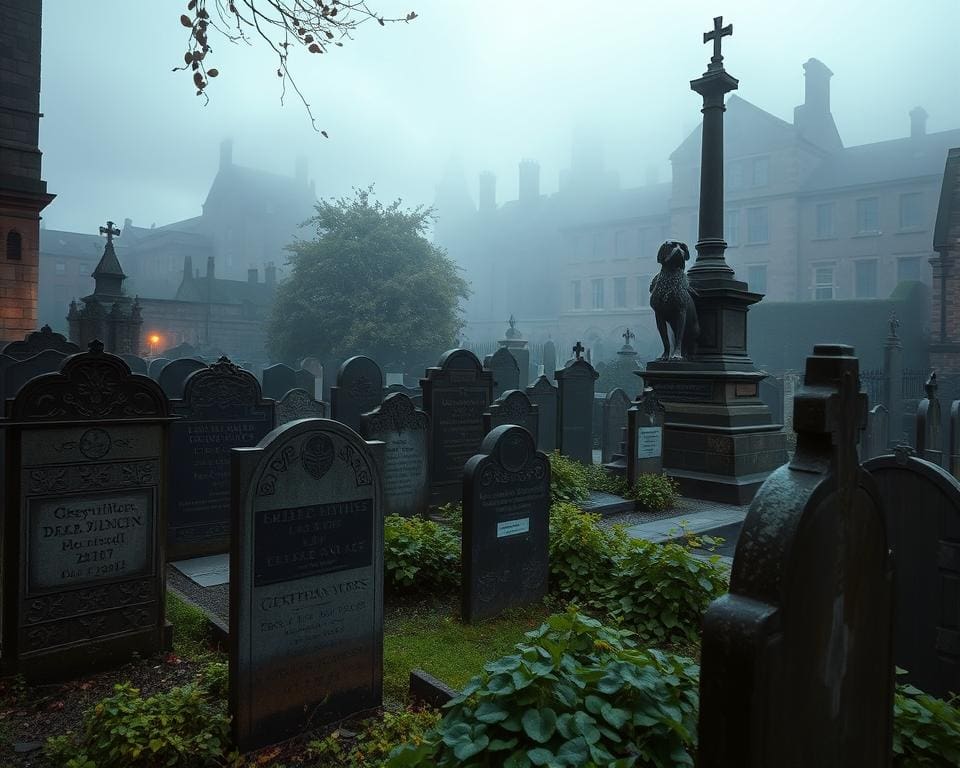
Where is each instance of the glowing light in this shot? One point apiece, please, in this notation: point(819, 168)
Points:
point(154, 339)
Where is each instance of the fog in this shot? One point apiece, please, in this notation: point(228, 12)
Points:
point(488, 83)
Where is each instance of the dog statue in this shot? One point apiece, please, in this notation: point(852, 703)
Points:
point(671, 298)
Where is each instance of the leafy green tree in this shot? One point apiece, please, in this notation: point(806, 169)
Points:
point(370, 283)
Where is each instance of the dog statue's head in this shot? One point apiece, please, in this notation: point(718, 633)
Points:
point(672, 255)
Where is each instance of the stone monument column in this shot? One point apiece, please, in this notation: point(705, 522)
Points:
point(891, 394)
point(719, 439)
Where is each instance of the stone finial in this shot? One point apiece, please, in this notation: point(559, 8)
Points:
point(894, 324)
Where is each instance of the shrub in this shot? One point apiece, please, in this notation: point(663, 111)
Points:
point(576, 693)
point(421, 553)
point(598, 479)
point(582, 555)
point(926, 731)
point(569, 480)
point(376, 737)
point(655, 492)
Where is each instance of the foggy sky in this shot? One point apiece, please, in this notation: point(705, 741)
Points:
point(488, 82)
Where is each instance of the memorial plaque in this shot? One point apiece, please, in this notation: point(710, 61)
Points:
point(506, 525)
point(645, 436)
point(40, 341)
point(222, 408)
point(613, 418)
point(299, 404)
point(278, 380)
point(174, 375)
point(84, 574)
point(156, 365)
point(404, 431)
point(456, 394)
point(543, 394)
point(306, 582)
point(513, 407)
point(505, 371)
point(359, 389)
point(575, 393)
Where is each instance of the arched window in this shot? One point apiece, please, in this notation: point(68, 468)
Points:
point(14, 245)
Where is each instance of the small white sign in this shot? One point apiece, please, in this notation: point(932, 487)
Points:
point(513, 527)
point(649, 442)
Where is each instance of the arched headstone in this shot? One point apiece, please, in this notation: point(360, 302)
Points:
point(928, 440)
point(575, 385)
point(613, 420)
point(137, 364)
point(505, 371)
point(278, 380)
point(543, 394)
point(359, 390)
point(513, 407)
point(39, 341)
point(156, 365)
point(299, 404)
point(174, 375)
point(645, 436)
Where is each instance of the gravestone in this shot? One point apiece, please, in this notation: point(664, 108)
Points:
point(222, 408)
point(513, 407)
point(613, 419)
point(922, 502)
point(305, 380)
point(39, 341)
point(404, 431)
point(181, 351)
point(575, 385)
point(306, 581)
point(544, 395)
point(315, 367)
point(18, 374)
point(874, 440)
point(955, 439)
point(85, 467)
point(506, 525)
point(928, 441)
point(549, 358)
point(174, 375)
point(298, 404)
point(504, 370)
point(359, 390)
point(797, 660)
point(136, 364)
point(157, 365)
point(278, 380)
point(645, 436)
point(455, 395)
point(513, 340)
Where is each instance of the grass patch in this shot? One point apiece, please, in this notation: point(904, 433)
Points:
point(439, 644)
point(191, 633)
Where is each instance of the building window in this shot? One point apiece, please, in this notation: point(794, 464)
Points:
point(60, 268)
point(575, 285)
point(620, 244)
point(868, 215)
point(735, 175)
point(825, 220)
point(757, 229)
point(14, 246)
point(731, 233)
point(757, 278)
point(865, 279)
point(909, 268)
point(643, 290)
point(760, 171)
point(911, 210)
point(619, 292)
point(645, 239)
point(598, 294)
point(823, 283)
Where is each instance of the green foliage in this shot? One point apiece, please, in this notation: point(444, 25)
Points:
point(191, 632)
point(420, 554)
point(576, 694)
point(372, 744)
point(926, 731)
point(569, 479)
point(408, 309)
point(655, 492)
point(583, 555)
point(185, 727)
point(452, 514)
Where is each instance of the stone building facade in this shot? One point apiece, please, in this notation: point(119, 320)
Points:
point(945, 299)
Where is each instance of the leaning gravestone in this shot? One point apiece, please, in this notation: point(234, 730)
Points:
point(513, 407)
point(38, 341)
point(85, 468)
point(299, 404)
point(157, 365)
point(359, 390)
point(174, 375)
point(506, 525)
point(923, 510)
point(544, 395)
point(645, 436)
point(575, 385)
point(797, 660)
point(136, 363)
point(404, 431)
point(306, 582)
point(928, 440)
point(222, 408)
point(455, 395)
point(505, 371)
point(613, 419)
point(278, 380)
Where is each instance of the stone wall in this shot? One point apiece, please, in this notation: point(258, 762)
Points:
point(235, 329)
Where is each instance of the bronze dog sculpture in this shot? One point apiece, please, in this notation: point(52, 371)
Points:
point(671, 298)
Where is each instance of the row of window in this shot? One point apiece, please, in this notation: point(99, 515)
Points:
point(864, 277)
point(868, 215)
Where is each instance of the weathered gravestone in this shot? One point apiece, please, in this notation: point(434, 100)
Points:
point(222, 408)
point(922, 503)
point(157, 365)
point(298, 404)
point(506, 524)
point(306, 581)
point(85, 470)
point(314, 366)
point(504, 370)
point(513, 407)
point(513, 340)
point(613, 419)
point(359, 390)
point(455, 395)
point(404, 431)
point(928, 440)
point(174, 375)
point(549, 358)
point(18, 374)
point(278, 380)
point(136, 364)
point(575, 385)
point(544, 395)
point(874, 439)
point(39, 341)
point(797, 661)
point(645, 436)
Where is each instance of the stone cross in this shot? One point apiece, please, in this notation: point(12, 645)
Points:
point(718, 32)
point(578, 350)
point(628, 336)
point(110, 231)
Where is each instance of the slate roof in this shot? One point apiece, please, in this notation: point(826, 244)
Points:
point(109, 264)
point(218, 291)
point(946, 232)
point(241, 187)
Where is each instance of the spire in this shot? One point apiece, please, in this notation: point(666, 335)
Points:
point(109, 274)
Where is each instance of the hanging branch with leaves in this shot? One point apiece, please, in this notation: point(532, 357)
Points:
point(314, 25)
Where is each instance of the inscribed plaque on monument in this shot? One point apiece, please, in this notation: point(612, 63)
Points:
point(649, 442)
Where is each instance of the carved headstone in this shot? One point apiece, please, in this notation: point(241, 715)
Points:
point(928, 440)
point(613, 418)
point(278, 380)
point(306, 582)
point(404, 431)
point(513, 407)
point(543, 394)
point(504, 369)
point(455, 395)
point(923, 507)
point(506, 524)
point(359, 390)
point(174, 375)
point(157, 365)
point(136, 363)
point(84, 567)
point(222, 408)
point(299, 404)
point(39, 341)
point(645, 436)
point(575, 385)
point(797, 660)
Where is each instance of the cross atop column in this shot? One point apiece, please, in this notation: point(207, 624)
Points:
point(578, 350)
point(110, 231)
point(719, 31)
point(628, 336)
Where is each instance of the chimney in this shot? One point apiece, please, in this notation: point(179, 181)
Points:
point(301, 170)
point(127, 223)
point(252, 276)
point(817, 86)
point(918, 122)
point(529, 187)
point(210, 272)
point(226, 153)
point(270, 274)
point(488, 191)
